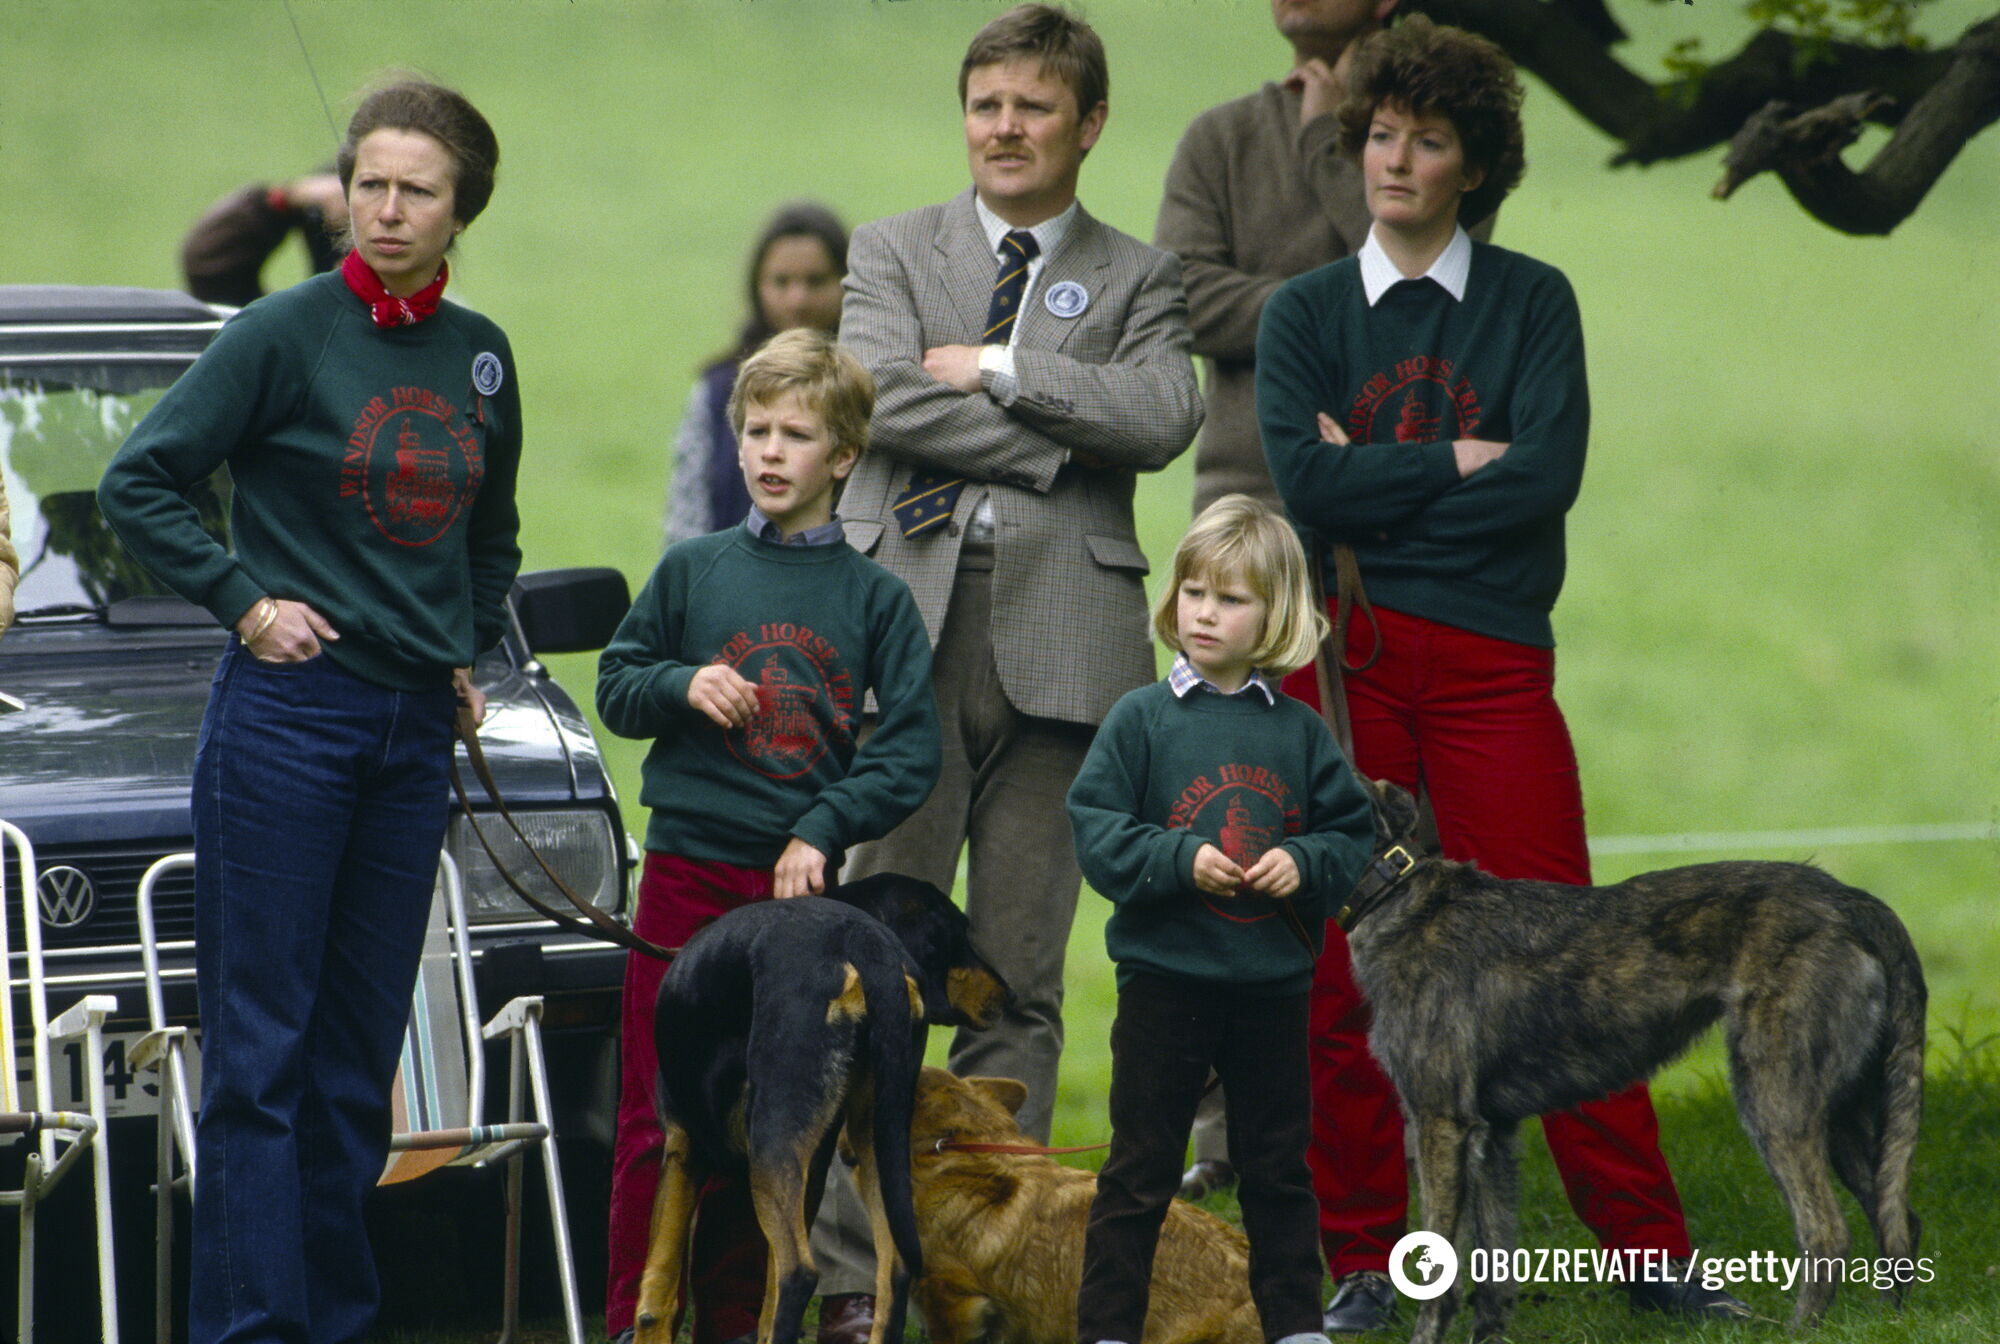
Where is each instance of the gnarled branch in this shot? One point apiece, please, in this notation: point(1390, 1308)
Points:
point(1936, 100)
point(1962, 103)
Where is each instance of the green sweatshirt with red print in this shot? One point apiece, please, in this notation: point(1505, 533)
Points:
point(1167, 775)
point(1405, 378)
point(814, 629)
point(373, 478)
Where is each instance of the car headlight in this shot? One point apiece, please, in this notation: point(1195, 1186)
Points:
point(578, 845)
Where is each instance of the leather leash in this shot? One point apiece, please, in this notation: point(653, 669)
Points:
point(1021, 1149)
point(1332, 660)
point(1298, 926)
point(1392, 865)
point(595, 923)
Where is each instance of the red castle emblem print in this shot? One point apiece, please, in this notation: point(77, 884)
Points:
point(1246, 809)
point(413, 463)
point(1422, 400)
point(805, 698)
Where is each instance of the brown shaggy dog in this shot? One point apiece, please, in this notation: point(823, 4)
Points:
point(1002, 1235)
point(1499, 1000)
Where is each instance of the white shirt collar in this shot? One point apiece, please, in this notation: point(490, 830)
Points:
point(1048, 234)
point(1452, 267)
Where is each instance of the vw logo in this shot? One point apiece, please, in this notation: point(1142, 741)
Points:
point(68, 897)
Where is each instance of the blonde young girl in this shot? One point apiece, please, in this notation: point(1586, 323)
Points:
point(1220, 818)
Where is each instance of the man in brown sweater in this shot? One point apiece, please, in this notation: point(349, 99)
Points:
point(1259, 192)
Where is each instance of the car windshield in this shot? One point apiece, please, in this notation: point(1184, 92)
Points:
point(59, 426)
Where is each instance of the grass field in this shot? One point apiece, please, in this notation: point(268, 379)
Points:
point(1784, 606)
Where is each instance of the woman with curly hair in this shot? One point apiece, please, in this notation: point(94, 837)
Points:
point(1425, 403)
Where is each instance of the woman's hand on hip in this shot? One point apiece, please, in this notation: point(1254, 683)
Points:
point(276, 630)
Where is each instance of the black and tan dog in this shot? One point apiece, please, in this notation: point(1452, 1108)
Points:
point(1494, 1001)
point(778, 1023)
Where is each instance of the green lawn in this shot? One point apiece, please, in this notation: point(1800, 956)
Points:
point(1784, 604)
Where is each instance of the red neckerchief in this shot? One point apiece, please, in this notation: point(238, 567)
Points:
point(387, 309)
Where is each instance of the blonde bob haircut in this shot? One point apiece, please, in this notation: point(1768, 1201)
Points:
point(825, 376)
point(1238, 538)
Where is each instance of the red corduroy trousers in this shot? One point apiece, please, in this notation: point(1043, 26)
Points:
point(725, 1271)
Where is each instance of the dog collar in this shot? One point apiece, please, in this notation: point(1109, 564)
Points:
point(1384, 873)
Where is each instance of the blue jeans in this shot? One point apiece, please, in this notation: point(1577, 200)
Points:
point(319, 807)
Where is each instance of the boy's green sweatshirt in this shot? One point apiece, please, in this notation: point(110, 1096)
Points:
point(814, 628)
point(1167, 775)
point(373, 475)
point(1405, 378)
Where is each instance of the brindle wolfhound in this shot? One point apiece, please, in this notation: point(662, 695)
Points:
point(1494, 1001)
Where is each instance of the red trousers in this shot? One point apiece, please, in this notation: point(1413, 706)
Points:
point(1473, 720)
point(725, 1271)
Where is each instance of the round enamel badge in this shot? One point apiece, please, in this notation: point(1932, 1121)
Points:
point(1066, 299)
point(486, 372)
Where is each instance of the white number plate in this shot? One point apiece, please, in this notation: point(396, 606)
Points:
point(127, 1091)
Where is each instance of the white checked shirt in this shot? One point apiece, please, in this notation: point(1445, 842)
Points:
point(1183, 680)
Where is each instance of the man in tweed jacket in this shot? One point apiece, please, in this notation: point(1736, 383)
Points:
point(1031, 586)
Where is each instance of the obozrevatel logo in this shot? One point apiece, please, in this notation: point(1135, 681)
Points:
point(68, 898)
point(1423, 1265)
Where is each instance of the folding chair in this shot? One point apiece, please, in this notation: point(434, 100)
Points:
point(437, 1100)
point(58, 1140)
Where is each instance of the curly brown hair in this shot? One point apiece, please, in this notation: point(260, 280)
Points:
point(1434, 70)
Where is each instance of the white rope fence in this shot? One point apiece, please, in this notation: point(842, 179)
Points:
point(1831, 838)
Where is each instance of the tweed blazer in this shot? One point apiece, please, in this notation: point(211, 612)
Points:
point(1114, 383)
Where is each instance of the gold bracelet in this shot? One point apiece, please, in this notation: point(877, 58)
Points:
point(270, 615)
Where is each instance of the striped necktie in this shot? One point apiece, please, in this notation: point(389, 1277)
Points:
point(930, 496)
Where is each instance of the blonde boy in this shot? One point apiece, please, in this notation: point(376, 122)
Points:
point(747, 658)
point(1220, 818)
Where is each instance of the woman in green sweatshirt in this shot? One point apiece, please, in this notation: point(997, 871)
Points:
point(371, 436)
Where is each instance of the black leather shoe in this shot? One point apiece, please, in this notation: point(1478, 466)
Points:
point(846, 1318)
point(1683, 1294)
point(1207, 1177)
point(1364, 1300)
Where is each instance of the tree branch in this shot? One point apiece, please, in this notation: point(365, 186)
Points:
point(1937, 100)
point(1962, 103)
